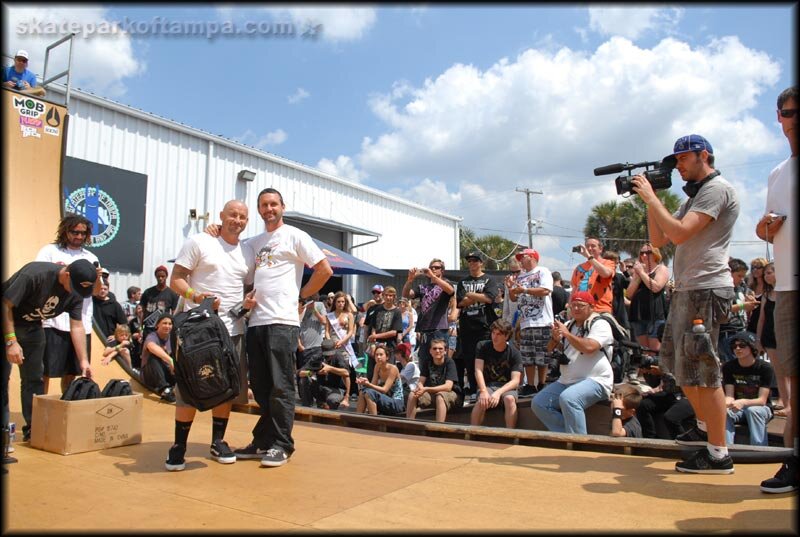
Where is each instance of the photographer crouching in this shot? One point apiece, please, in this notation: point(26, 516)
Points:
point(586, 376)
point(701, 229)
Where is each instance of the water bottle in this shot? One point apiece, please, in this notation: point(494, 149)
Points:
point(698, 327)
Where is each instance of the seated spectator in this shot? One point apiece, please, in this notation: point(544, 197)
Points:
point(624, 402)
point(18, 76)
point(119, 347)
point(384, 395)
point(586, 375)
point(438, 384)
point(743, 303)
point(746, 381)
point(658, 401)
point(129, 306)
point(136, 326)
point(325, 381)
point(409, 371)
point(498, 368)
point(158, 366)
point(107, 312)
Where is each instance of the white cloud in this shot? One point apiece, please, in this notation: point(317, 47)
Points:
point(298, 96)
point(275, 137)
point(463, 141)
point(338, 23)
point(101, 63)
point(343, 167)
point(633, 22)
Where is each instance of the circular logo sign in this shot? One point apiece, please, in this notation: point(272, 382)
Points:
point(99, 208)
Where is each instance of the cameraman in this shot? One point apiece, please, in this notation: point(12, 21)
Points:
point(701, 229)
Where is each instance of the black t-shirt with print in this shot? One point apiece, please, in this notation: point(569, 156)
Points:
point(332, 380)
point(387, 320)
point(433, 302)
point(36, 294)
point(477, 317)
point(152, 299)
point(747, 381)
point(498, 366)
point(436, 375)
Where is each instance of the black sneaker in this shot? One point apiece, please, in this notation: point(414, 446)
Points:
point(527, 390)
point(701, 462)
point(176, 462)
point(221, 452)
point(168, 395)
point(274, 457)
point(784, 481)
point(692, 437)
point(249, 452)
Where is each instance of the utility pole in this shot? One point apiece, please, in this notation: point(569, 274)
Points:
point(530, 222)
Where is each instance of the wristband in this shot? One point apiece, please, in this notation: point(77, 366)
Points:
point(617, 413)
point(188, 294)
point(10, 335)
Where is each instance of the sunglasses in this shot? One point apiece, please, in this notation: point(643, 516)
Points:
point(25, 60)
point(436, 267)
point(79, 233)
point(515, 271)
point(739, 345)
point(628, 266)
point(789, 113)
point(755, 267)
point(376, 292)
point(646, 252)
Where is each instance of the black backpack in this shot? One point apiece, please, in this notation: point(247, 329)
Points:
point(81, 388)
point(117, 388)
point(206, 363)
point(620, 353)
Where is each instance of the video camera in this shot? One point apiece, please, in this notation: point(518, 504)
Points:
point(659, 177)
point(638, 358)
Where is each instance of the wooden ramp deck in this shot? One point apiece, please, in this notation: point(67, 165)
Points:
point(355, 478)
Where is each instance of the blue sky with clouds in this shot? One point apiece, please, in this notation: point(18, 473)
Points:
point(455, 107)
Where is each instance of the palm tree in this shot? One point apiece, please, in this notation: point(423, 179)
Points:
point(623, 226)
point(492, 246)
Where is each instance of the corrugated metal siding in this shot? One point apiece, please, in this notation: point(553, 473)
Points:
point(176, 161)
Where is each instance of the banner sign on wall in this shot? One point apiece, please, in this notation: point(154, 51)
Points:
point(113, 200)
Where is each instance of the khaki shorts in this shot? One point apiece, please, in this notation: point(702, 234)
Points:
point(451, 399)
point(785, 330)
point(693, 358)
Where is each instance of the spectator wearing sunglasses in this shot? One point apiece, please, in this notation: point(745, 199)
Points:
point(782, 207)
point(18, 76)
point(435, 297)
point(747, 382)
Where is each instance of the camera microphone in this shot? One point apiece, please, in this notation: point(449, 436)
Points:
point(611, 168)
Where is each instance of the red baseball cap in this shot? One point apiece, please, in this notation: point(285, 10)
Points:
point(582, 296)
point(527, 251)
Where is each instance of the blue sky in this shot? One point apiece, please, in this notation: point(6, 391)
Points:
point(455, 107)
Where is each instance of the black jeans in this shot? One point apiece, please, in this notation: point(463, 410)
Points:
point(649, 408)
point(31, 371)
point(271, 357)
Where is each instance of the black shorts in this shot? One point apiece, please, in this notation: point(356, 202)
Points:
point(59, 354)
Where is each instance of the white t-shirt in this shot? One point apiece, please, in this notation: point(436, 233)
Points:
point(535, 311)
point(594, 366)
point(781, 199)
point(410, 375)
point(64, 256)
point(218, 267)
point(279, 259)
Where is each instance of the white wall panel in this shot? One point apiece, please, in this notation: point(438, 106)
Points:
point(181, 176)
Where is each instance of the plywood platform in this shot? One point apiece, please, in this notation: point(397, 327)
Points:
point(345, 479)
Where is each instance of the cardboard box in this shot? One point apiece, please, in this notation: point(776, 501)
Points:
point(68, 427)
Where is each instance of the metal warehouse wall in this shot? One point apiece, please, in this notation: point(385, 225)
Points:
point(190, 169)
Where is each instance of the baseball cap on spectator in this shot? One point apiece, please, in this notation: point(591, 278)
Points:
point(22, 54)
point(474, 255)
point(582, 296)
point(527, 251)
point(82, 272)
point(161, 268)
point(104, 272)
point(328, 347)
point(748, 338)
point(377, 288)
point(331, 295)
point(404, 348)
point(693, 142)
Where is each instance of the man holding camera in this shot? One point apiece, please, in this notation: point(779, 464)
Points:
point(586, 374)
point(595, 275)
point(701, 228)
point(782, 209)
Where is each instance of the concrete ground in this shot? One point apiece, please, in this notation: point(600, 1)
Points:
point(344, 480)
